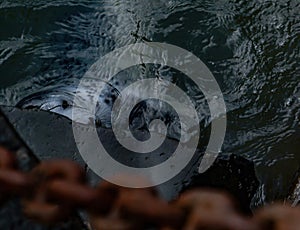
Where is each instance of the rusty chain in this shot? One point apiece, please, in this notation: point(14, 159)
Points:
point(54, 190)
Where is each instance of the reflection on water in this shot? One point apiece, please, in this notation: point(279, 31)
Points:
point(252, 48)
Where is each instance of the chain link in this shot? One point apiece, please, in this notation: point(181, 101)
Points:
point(53, 190)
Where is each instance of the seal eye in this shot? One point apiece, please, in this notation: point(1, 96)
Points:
point(65, 104)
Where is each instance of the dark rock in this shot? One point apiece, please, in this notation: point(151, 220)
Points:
point(11, 216)
point(235, 175)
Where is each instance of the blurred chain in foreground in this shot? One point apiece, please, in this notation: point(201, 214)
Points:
point(52, 192)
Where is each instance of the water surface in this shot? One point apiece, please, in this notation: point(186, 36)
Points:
point(251, 47)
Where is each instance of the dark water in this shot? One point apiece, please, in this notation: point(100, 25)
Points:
point(251, 47)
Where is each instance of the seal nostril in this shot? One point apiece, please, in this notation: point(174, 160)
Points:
point(65, 104)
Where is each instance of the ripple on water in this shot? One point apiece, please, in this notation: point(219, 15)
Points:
point(252, 48)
